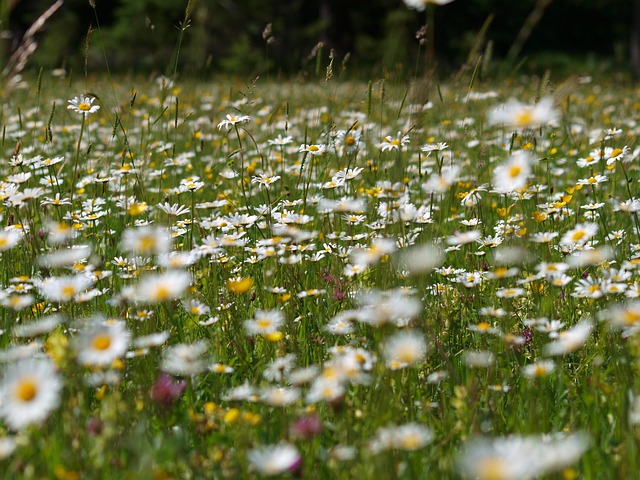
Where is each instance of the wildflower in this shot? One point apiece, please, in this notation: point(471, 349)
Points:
point(348, 141)
point(239, 285)
point(196, 307)
point(265, 322)
point(7, 446)
point(166, 390)
point(325, 389)
point(306, 427)
point(519, 458)
point(9, 239)
point(174, 210)
point(83, 105)
point(394, 143)
point(440, 183)
point(404, 349)
point(462, 238)
point(29, 392)
point(479, 358)
point(102, 342)
point(185, 359)
point(280, 396)
point(580, 234)
point(543, 237)
point(63, 289)
point(38, 327)
point(233, 120)
point(408, 437)
point(541, 368)
point(280, 140)
point(279, 368)
point(273, 460)
point(162, 287)
point(265, 180)
point(65, 256)
point(436, 147)
point(513, 174)
point(312, 149)
point(570, 340)
point(146, 240)
point(515, 114)
point(593, 180)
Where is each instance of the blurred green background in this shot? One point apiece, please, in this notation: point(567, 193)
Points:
point(376, 36)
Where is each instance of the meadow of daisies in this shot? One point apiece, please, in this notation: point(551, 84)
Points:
point(322, 279)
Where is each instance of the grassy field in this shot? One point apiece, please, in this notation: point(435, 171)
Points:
point(319, 279)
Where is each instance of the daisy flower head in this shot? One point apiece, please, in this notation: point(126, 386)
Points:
point(264, 322)
point(83, 105)
point(9, 239)
point(570, 340)
point(512, 175)
point(102, 342)
point(271, 460)
point(314, 149)
point(434, 147)
point(348, 141)
point(517, 457)
point(394, 143)
point(516, 114)
point(146, 240)
point(233, 120)
point(185, 359)
point(29, 392)
point(541, 368)
point(408, 437)
point(264, 180)
point(580, 234)
point(404, 349)
point(63, 289)
point(162, 287)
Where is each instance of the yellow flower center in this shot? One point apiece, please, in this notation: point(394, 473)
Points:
point(540, 370)
point(147, 243)
point(395, 142)
point(349, 140)
point(524, 118)
point(616, 152)
point(26, 390)
point(313, 148)
point(101, 342)
point(492, 469)
point(483, 326)
point(577, 236)
point(411, 442)
point(163, 293)
point(68, 291)
point(263, 323)
point(514, 171)
point(85, 107)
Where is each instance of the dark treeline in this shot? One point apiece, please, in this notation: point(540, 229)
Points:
point(228, 36)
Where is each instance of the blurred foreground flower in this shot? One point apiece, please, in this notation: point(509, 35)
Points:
point(29, 392)
point(516, 114)
point(167, 390)
point(272, 460)
point(515, 457)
